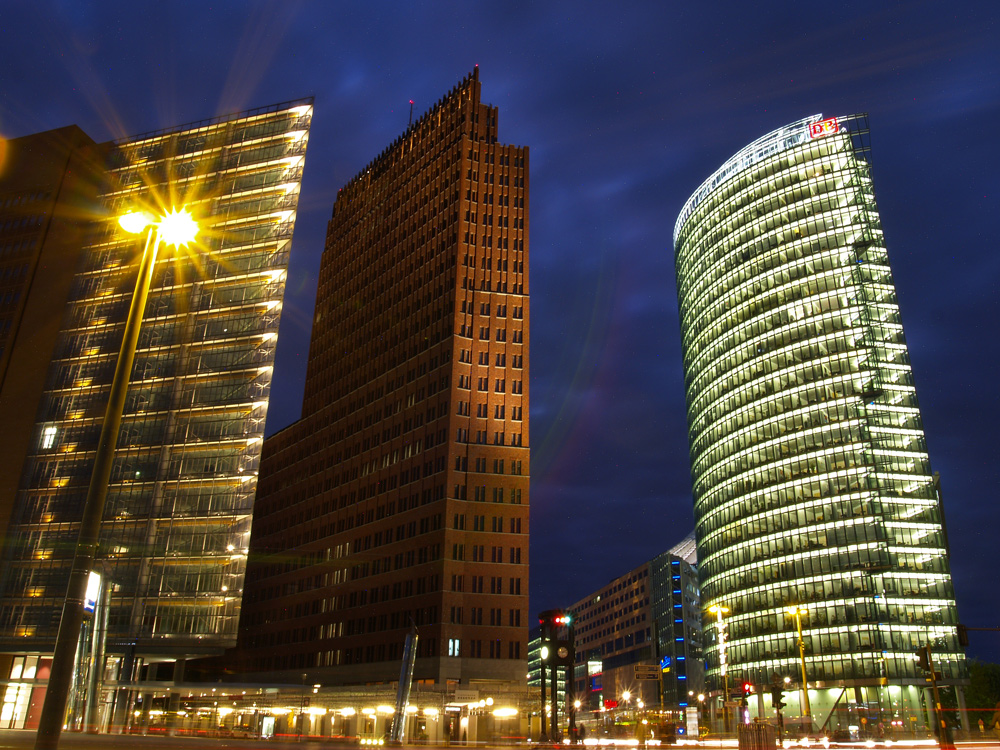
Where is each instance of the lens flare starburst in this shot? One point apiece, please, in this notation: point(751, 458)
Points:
point(178, 228)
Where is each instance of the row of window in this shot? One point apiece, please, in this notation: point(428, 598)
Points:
point(481, 437)
point(497, 523)
point(476, 616)
point(479, 465)
point(500, 494)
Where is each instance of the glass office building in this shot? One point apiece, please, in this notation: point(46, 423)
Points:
point(177, 519)
point(812, 485)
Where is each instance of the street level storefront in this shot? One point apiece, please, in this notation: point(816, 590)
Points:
point(434, 714)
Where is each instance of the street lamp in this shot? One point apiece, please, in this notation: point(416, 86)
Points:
point(175, 228)
point(798, 612)
point(719, 610)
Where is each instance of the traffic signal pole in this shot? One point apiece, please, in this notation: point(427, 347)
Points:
point(943, 730)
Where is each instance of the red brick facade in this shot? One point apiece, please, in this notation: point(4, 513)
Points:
point(402, 494)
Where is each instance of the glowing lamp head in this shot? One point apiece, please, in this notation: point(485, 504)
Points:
point(178, 228)
point(135, 221)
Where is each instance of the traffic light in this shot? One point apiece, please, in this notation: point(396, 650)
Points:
point(924, 662)
point(747, 687)
point(555, 618)
point(963, 635)
point(777, 698)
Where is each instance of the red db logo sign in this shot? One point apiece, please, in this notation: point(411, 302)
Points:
point(823, 127)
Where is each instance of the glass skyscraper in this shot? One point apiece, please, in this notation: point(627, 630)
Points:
point(177, 520)
point(812, 485)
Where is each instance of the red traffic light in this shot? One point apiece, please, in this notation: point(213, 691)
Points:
point(555, 618)
point(747, 687)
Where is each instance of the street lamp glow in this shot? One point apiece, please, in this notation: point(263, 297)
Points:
point(626, 695)
point(178, 228)
point(135, 221)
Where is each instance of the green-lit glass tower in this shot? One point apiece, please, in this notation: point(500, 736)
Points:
point(812, 485)
point(177, 518)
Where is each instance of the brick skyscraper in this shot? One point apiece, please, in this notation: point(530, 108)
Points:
point(401, 496)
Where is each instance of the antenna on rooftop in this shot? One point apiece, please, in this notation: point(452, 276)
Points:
point(410, 123)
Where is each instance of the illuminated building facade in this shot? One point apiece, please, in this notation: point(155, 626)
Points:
point(401, 496)
point(177, 518)
point(812, 483)
point(648, 616)
point(676, 610)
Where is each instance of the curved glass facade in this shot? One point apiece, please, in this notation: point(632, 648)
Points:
point(812, 484)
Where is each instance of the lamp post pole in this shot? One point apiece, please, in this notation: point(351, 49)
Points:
point(54, 708)
point(798, 612)
point(180, 229)
point(720, 610)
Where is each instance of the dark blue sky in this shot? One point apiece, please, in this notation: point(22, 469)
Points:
point(625, 111)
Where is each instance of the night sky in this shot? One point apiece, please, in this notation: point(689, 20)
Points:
point(626, 112)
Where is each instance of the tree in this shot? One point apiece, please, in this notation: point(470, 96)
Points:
point(982, 696)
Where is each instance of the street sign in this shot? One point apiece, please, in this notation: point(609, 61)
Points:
point(647, 672)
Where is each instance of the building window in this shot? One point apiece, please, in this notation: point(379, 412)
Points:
point(48, 437)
